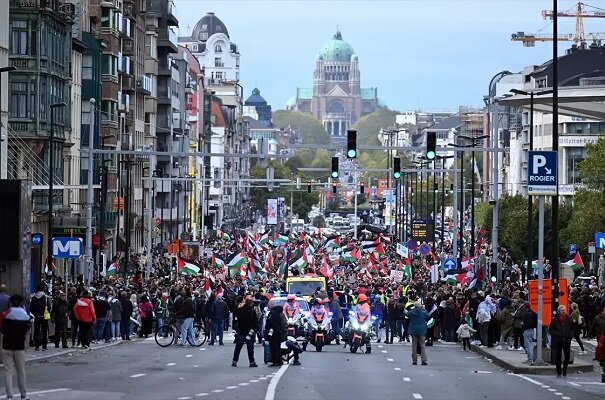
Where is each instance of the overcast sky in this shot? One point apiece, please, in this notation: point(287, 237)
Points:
point(420, 54)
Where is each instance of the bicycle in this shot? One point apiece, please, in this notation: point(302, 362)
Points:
point(169, 334)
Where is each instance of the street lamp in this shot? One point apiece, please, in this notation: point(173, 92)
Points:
point(3, 69)
point(51, 162)
point(530, 210)
point(443, 158)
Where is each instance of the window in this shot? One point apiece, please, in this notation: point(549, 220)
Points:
point(18, 106)
point(109, 65)
point(19, 38)
point(218, 62)
point(218, 48)
point(574, 156)
point(109, 110)
point(194, 47)
point(106, 18)
point(219, 75)
point(87, 67)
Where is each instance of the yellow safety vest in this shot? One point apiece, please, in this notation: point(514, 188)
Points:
point(354, 299)
point(404, 290)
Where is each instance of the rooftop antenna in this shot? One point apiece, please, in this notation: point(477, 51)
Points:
point(188, 30)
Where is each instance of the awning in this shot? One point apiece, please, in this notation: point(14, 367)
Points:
point(574, 101)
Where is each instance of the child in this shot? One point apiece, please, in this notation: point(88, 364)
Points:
point(464, 332)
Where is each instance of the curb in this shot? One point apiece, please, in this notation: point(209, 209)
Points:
point(71, 352)
point(532, 370)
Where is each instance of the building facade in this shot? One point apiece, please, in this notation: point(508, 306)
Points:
point(337, 98)
point(4, 62)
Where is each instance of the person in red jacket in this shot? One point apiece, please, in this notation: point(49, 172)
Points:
point(84, 313)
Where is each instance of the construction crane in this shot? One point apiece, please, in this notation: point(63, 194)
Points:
point(579, 14)
point(530, 39)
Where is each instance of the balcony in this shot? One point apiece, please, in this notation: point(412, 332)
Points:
point(130, 10)
point(145, 84)
point(168, 40)
point(171, 19)
point(128, 47)
point(189, 89)
point(168, 214)
point(115, 4)
point(129, 84)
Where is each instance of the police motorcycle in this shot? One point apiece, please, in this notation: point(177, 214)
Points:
point(359, 330)
point(319, 326)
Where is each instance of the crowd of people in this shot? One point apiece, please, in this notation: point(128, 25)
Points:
point(225, 293)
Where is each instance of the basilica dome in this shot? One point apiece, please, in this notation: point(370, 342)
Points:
point(336, 50)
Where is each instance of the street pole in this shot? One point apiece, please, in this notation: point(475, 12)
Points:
point(90, 191)
point(455, 207)
point(127, 217)
point(461, 205)
point(540, 279)
point(435, 205)
point(443, 202)
point(472, 249)
point(355, 184)
point(530, 205)
point(555, 146)
point(150, 212)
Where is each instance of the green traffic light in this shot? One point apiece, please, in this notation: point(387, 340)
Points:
point(334, 174)
point(352, 153)
point(430, 155)
point(397, 175)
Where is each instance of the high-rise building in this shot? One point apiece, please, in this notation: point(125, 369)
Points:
point(4, 43)
point(337, 98)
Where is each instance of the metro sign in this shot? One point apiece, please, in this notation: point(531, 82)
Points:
point(599, 239)
point(542, 173)
point(64, 247)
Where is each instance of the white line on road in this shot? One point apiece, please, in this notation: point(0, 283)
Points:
point(202, 349)
point(253, 380)
point(417, 396)
point(535, 382)
point(137, 375)
point(552, 390)
point(591, 383)
point(390, 360)
point(184, 398)
point(380, 347)
point(574, 384)
point(545, 386)
point(189, 355)
point(566, 398)
point(384, 351)
point(263, 378)
point(44, 392)
point(273, 384)
point(244, 384)
point(217, 391)
point(482, 372)
point(170, 364)
point(202, 394)
point(231, 387)
point(558, 394)
point(406, 379)
point(397, 369)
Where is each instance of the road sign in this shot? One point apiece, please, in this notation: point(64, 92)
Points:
point(599, 239)
point(37, 239)
point(547, 297)
point(450, 263)
point(572, 249)
point(64, 247)
point(542, 173)
point(412, 245)
point(425, 249)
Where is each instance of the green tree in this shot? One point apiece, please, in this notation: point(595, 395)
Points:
point(369, 125)
point(310, 129)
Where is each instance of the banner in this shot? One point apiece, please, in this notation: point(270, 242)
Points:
point(271, 211)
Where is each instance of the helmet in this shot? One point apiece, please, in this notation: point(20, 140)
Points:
point(326, 300)
point(362, 298)
point(291, 297)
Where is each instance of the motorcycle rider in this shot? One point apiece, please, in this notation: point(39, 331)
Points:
point(378, 310)
point(318, 309)
point(363, 309)
point(291, 307)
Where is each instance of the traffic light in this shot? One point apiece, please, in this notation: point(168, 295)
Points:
point(481, 191)
point(396, 167)
point(362, 187)
point(436, 187)
point(309, 187)
point(334, 167)
point(351, 143)
point(451, 188)
point(412, 191)
point(431, 145)
point(334, 187)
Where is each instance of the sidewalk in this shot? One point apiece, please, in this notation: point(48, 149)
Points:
point(32, 356)
point(512, 360)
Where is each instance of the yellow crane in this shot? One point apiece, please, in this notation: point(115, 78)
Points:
point(530, 39)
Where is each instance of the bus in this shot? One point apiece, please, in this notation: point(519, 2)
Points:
point(305, 285)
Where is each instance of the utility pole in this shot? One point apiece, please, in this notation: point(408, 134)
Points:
point(90, 191)
point(51, 175)
point(555, 146)
point(150, 212)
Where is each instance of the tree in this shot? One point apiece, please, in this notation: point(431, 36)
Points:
point(310, 129)
point(369, 125)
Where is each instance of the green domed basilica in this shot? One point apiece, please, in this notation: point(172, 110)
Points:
point(336, 99)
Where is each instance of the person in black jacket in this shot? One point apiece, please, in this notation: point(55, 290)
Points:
point(59, 317)
point(127, 310)
point(38, 304)
point(187, 314)
point(561, 332)
point(219, 312)
point(530, 323)
point(246, 331)
point(276, 329)
point(14, 325)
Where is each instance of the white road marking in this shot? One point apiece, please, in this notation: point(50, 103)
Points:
point(545, 386)
point(195, 366)
point(231, 387)
point(202, 394)
point(574, 384)
point(189, 356)
point(416, 396)
point(202, 349)
point(558, 394)
point(566, 398)
point(406, 379)
point(184, 398)
point(380, 347)
point(244, 384)
point(273, 384)
point(170, 364)
point(384, 351)
point(390, 360)
point(44, 392)
point(397, 369)
point(263, 378)
point(217, 391)
point(253, 380)
point(483, 372)
point(552, 390)
point(137, 375)
point(591, 383)
point(535, 382)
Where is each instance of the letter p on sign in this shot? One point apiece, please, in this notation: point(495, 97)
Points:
point(539, 161)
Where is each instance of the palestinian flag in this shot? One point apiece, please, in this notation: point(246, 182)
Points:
point(326, 269)
point(332, 242)
point(280, 240)
point(455, 279)
point(385, 239)
point(265, 239)
point(370, 246)
point(186, 268)
point(350, 255)
point(217, 262)
point(406, 268)
point(53, 267)
point(112, 270)
point(207, 288)
point(299, 260)
point(576, 264)
point(268, 262)
point(235, 262)
point(477, 283)
point(534, 264)
point(468, 263)
point(224, 235)
point(219, 289)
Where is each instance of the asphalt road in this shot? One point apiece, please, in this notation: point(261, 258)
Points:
point(143, 370)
